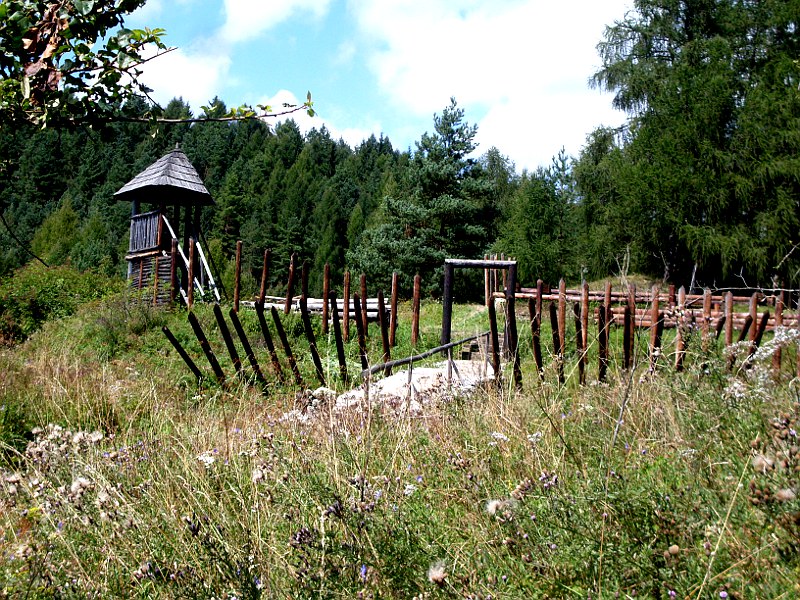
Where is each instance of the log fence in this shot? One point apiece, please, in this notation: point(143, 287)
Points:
point(706, 317)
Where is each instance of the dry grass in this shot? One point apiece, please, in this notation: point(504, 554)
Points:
point(145, 486)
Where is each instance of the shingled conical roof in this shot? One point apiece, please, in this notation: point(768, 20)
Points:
point(171, 179)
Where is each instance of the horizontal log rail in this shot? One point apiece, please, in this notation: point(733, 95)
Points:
point(427, 354)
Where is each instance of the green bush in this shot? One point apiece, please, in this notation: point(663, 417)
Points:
point(35, 294)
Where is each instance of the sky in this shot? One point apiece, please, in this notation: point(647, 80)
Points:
point(518, 68)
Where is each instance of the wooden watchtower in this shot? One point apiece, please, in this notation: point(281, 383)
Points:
point(164, 248)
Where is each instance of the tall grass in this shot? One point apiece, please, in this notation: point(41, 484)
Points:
point(124, 479)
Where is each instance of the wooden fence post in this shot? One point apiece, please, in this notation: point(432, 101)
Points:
point(536, 342)
point(262, 292)
point(190, 276)
point(309, 330)
point(486, 280)
point(562, 319)
point(680, 343)
point(762, 327)
point(511, 320)
point(602, 343)
point(655, 319)
point(393, 311)
point(415, 312)
point(248, 349)
point(182, 353)
point(705, 326)
point(337, 334)
point(206, 347)
point(447, 303)
point(155, 281)
point(384, 331)
point(754, 315)
point(276, 365)
point(627, 325)
point(494, 340)
point(579, 347)
point(286, 347)
point(346, 307)
point(173, 271)
point(585, 316)
point(237, 276)
point(631, 338)
point(556, 342)
point(729, 319)
point(290, 284)
point(776, 357)
point(326, 289)
point(226, 336)
point(364, 321)
point(362, 342)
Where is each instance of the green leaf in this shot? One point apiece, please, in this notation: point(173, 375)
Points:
point(84, 7)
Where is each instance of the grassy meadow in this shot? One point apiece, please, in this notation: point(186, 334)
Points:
point(120, 477)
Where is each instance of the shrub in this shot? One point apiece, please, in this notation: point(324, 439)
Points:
point(35, 294)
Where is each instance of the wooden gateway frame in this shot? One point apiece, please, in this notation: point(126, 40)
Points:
point(510, 334)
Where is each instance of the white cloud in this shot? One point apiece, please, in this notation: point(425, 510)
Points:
point(246, 19)
point(352, 135)
point(524, 63)
point(155, 8)
point(194, 76)
point(345, 54)
point(522, 130)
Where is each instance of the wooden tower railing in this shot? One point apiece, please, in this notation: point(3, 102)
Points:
point(150, 257)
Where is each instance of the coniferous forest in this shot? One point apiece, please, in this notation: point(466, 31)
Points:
point(701, 182)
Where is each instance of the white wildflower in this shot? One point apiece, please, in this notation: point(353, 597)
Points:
point(437, 573)
point(258, 475)
point(494, 506)
point(762, 463)
point(409, 489)
point(534, 438)
point(207, 458)
point(496, 435)
point(79, 485)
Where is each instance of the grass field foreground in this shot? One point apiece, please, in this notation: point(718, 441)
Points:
point(121, 478)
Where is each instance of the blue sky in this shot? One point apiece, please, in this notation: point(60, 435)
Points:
point(519, 68)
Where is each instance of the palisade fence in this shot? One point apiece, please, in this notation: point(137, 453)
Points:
point(740, 320)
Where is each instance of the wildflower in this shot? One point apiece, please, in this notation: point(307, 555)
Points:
point(723, 594)
point(207, 458)
point(501, 509)
point(762, 463)
point(363, 573)
point(548, 480)
point(437, 573)
point(409, 489)
point(493, 506)
point(496, 435)
point(79, 485)
point(534, 438)
point(258, 475)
